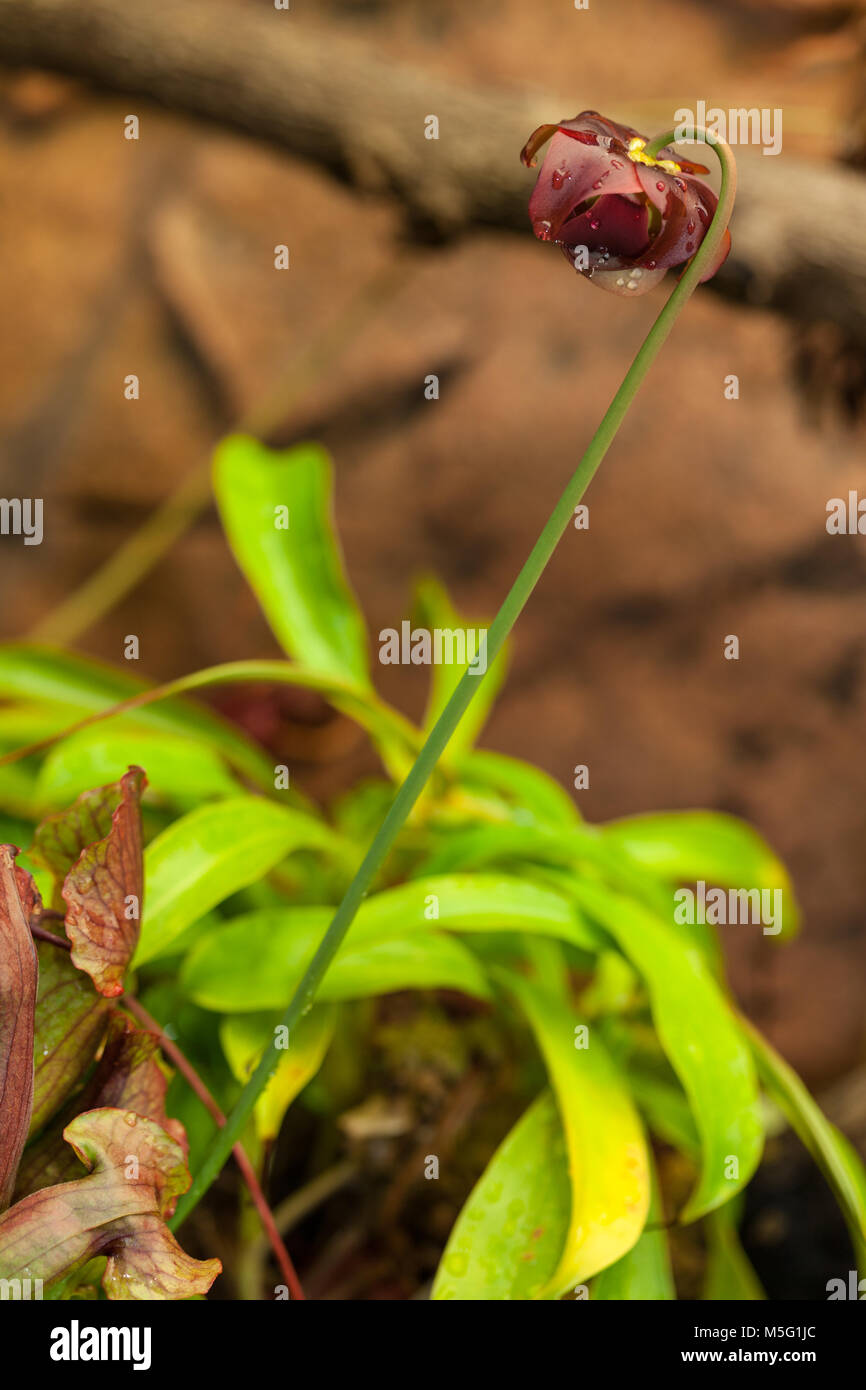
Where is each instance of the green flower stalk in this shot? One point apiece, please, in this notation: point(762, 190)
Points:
point(666, 227)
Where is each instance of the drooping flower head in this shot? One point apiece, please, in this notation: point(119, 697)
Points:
point(621, 216)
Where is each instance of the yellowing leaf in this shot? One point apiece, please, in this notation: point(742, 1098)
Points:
point(244, 1038)
point(607, 1153)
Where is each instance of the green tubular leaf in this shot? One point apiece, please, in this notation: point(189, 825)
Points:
point(729, 1275)
point(296, 573)
point(471, 902)
point(179, 769)
point(244, 1038)
point(507, 1240)
point(390, 935)
point(685, 846)
point(666, 1111)
point(608, 1159)
point(435, 611)
point(72, 687)
point(255, 961)
point(555, 846)
point(644, 1274)
point(205, 856)
point(701, 1037)
point(536, 795)
point(828, 1146)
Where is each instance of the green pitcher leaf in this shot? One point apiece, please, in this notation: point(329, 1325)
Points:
point(832, 1152)
point(210, 853)
point(180, 769)
point(256, 961)
point(244, 1038)
point(729, 1275)
point(687, 846)
point(472, 903)
point(644, 1274)
point(536, 797)
point(68, 687)
point(507, 1240)
point(608, 1160)
point(277, 512)
point(702, 1038)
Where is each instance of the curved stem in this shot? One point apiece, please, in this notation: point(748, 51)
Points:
point(469, 683)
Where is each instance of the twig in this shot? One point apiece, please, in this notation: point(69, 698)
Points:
point(293, 1210)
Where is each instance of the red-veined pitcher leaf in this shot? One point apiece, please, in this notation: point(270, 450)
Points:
point(103, 892)
point(18, 978)
point(136, 1172)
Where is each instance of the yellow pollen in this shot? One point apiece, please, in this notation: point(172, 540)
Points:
point(637, 156)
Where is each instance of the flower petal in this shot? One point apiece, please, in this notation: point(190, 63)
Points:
point(573, 170)
point(614, 230)
point(629, 282)
point(687, 208)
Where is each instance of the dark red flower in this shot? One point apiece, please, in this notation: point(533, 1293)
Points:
point(621, 216)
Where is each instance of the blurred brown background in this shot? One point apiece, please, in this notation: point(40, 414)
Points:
point(155, 257)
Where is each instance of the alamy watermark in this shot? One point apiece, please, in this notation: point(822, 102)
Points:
point(20, 1290)
point(719, 907)
point(438, 646)
point(739, 126)
point(22, 516)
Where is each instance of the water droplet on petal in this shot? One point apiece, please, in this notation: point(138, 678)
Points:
point(558, 178)
point(660, 186)
point(594, 223)
point(597, 183)
point(542, 229)
point(690, 227)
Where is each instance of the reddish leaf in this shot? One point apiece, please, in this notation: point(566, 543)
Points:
point(128, 1077)
point(136, 1173)
point(28, 893)
point(18, 980)
point(70, 1024)
point(60, 839)
point(103, 889)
